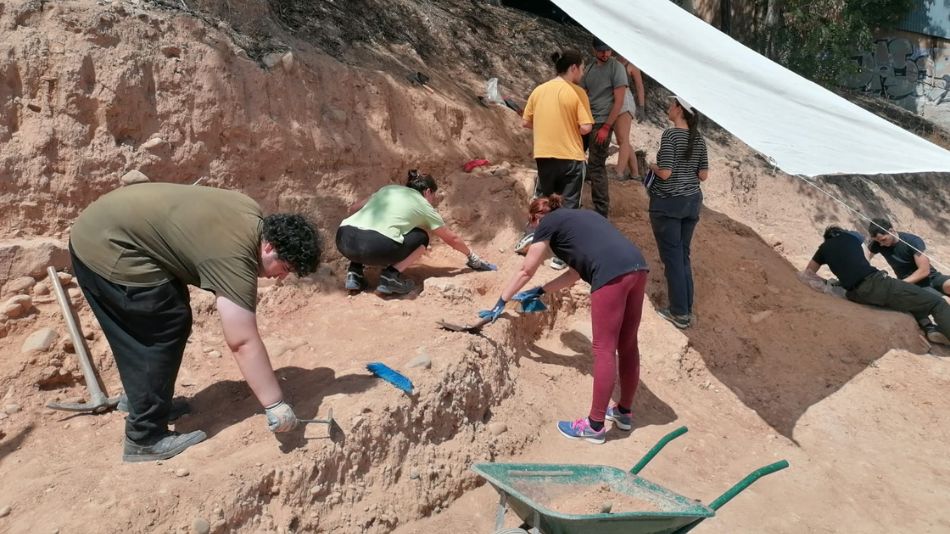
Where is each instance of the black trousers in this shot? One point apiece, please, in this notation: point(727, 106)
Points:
point(147, 328)
point(597, 171)
point(564, 177)
point(368, 247)
point(882, 290)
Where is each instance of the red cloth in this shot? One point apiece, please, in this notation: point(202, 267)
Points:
point(475, 163)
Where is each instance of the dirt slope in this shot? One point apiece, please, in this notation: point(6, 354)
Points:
point(90, 90)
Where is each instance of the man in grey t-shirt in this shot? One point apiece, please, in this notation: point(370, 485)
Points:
point(606, 85)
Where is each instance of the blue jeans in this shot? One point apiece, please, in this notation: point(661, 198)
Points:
point(673, 221)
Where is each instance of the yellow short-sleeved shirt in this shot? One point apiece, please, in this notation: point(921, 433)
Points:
point(556, 108)
point(148, 234)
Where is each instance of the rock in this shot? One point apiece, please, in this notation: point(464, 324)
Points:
point(64, 278)
point(200, 526)
point(287, 61)
point(39, 341)
point(153, 142)
point(170, 50)
point(761, 316)
point(448, 288)
point(133, 177)
point(497, 429)
point(421, 360)
point(40, 290)
point(74, 293)
point(214, 354)
point(181, 472)
point(17, 306)
point(19, 285)
point(272, 59)
point(5, 511)
point(11, 408)
point(30, 256)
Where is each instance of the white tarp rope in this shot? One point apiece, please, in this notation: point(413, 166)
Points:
point(798, 125)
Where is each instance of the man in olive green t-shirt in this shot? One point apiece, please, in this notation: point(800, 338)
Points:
point(136, 249)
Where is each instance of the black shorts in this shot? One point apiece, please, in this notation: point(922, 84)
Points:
point(369, 247)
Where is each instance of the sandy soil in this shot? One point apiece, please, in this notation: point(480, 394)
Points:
point(853, 397)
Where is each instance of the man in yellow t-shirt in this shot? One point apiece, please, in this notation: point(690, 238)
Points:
point(136, 250)
point(559, 113)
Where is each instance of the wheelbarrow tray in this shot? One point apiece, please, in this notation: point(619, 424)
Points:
point(530, 488)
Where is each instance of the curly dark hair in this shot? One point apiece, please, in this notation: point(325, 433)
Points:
point(295, 239)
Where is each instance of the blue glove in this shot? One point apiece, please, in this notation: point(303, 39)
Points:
point(533, 305)
point(494, 313)
point(531, 294)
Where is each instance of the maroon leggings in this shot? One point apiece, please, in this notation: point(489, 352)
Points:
point(615, 314)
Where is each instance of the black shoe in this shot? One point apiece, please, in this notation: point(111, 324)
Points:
point(679, 321)
point(163, 449)
point(934, 336)
point(179, 407)
point(354, 281)
point(392, 282)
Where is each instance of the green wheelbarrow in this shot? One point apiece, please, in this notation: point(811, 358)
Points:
point(580, 499)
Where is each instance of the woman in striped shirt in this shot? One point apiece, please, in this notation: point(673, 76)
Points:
point(675, 202)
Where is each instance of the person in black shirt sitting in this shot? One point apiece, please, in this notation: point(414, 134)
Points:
point(904, 253)
point(844, 254)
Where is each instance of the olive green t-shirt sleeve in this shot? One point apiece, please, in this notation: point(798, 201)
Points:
point(234, 278)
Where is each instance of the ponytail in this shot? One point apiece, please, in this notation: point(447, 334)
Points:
point(692, 120)
point(420, 182)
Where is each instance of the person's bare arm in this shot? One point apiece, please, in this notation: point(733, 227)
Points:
point(637, 85)
point(703, 175)
point(619, 94)
point(532, 259)
point(923, 269)
point(585, 129)
point(244, 340)
point(529, 124)
point(452, 239)
point(662, 174)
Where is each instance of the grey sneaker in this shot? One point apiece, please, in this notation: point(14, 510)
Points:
point(354, 281)
point(163, 449)
point(557, 263)
point(179, 407)
point(623, 421)
point(521, 247)
point(934, 336)
point(679, 321)
point(392, 282)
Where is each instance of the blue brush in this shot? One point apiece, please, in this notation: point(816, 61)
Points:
point(390, 375)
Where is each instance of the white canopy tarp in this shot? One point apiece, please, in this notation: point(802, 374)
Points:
point(800, 126)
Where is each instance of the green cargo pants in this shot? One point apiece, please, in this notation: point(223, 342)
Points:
point(882, 290)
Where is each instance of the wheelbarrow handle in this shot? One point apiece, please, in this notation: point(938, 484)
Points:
point(737, 489)
point(657, 448)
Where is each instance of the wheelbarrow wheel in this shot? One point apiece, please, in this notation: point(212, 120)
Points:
point(511, 531)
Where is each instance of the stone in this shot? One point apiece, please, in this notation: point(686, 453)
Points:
point(181, 472)
point(39, 341)
point(153, 143)
point(421, 360)
point(30, 257)
point(133, 177)
point(64, 278)
point(5, 511)
point(287, 61)
point(448, 288)
point(200, 526)
point(74, 293)
point(214, 354)
point(19, 285)
point(170, 50)
point(272, 59)
point(761, 316)
point(40, 290)
point(497, 428)
point(17, 306)
point(11, 408)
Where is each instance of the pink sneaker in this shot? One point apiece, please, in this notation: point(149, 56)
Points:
point(581, 429)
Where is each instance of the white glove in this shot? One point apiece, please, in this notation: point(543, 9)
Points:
point(280, 417)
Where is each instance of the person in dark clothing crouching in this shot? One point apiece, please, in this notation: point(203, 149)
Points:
point(843, 253)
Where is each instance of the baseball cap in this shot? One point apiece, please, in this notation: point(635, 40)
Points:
point(683, 103)
point(599, 45)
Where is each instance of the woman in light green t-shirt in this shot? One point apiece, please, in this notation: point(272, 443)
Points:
point(391, 229)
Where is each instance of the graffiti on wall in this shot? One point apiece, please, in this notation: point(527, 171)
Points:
point(897, 70)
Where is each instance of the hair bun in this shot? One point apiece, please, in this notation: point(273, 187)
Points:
point(555, 57)
point(555, 201)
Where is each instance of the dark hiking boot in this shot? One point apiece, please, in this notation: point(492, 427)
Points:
point(354, 281)
point(179, 407)
point(679, 321)
point(934, 335)
point(163, 449)
point(392, 282)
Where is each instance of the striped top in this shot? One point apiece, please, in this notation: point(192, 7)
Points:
point(672, 155)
